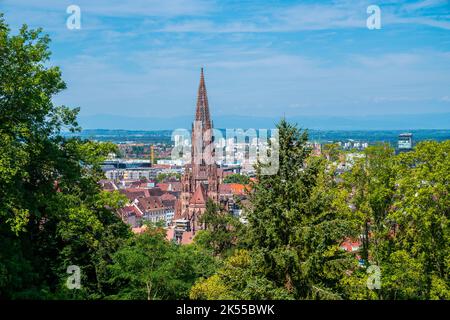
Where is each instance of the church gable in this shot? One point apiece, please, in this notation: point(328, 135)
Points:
point(199, 196)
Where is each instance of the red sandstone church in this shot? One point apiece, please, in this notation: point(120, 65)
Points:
point(202, 180)
point(202, 176)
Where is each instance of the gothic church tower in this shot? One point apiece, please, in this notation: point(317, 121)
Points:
point(201, 177)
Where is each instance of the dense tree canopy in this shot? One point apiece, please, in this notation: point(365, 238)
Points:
point(150, 267)
point(295, 225)
point(222, 231)
point(52, 211)
point(395, 205)
point(402, 207)
point(236, 178)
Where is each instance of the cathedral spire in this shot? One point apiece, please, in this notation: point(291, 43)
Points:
point(202, 111)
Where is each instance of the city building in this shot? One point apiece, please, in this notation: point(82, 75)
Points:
point(405, 141)
point(135, 169)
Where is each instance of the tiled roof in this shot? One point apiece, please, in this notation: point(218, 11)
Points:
point(225, 188)
point(150, 203)
point(168, 200)
point(164, 186)
point(350, 245)
point(108, 185)
point(155, 192)
point(130, 210)
point(169, 203)
point(139, 229)
point(170, 186)
point(233, 188)
point(135, 184)
point(187, 237)
point(168, 196)
point(133, 194)
point(199, 196)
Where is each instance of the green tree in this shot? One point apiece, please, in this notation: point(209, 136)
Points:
point(331, 151)
point(239, 278)
point(421, 211)
point(151, 268)
point(372, 185)
point(222, 230)
point(296, 221)
point(162, 177)
point(401, 203)
point(53, 213)
point(370, 189)
point(236, 178)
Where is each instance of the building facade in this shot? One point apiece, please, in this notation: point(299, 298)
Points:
point(405, 142)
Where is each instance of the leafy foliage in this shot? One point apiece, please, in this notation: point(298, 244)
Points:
point(53, 213)
point(150, 267)
point(294, 231)
point(236, 178)
point(402, 205)
point(162, 177)
point(239, 278)
point(222, 230)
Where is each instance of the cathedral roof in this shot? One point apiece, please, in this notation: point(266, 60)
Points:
point(199, 196)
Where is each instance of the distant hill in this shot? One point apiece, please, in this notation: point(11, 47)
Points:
point(388, 122)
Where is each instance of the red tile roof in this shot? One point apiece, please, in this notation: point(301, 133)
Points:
point(150, 203)
point(155, 192)
point(168, 196)
point(108, 185)
point(350, 245)
point(170, 186)
point(161, 166)
point(130, 210)
point(199, 196)
point(133, 194)
point(187, 237)
point(168, 200)
point(233, 188)
point(139, 229)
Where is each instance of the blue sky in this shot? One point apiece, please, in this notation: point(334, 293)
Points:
point(263, 58)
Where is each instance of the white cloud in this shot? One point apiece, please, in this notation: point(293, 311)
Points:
point(304, 17)
point(120, 8)
point(249, 77)
point(201, 15)
point(125, 67)
point(294, 18)
point(423, 4)
point(388, 60)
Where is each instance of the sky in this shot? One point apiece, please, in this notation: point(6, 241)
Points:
point(142, 58)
